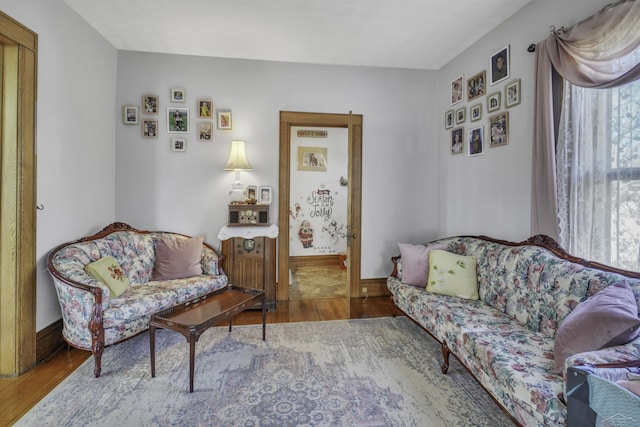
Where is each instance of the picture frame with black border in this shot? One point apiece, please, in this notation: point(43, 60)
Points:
point(149, 128)
point(475, 141)
point(205, 131)
point(477, 85)
point(457, 90)
point(512, 94)
point(265, 195)
point(475, 112)
point(457, 140)
point(150, 104)
point(461, 115)
point(130, 115)
point(178, 94)
point(493, 102)
point(499, 129)
point(179, 144)
point(448, 119)
point(499, 64)
point(178, 120)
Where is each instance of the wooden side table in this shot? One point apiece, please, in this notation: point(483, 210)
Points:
point(250, 258)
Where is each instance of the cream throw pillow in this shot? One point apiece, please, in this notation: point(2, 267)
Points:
point(452, 274)
point(108, 271)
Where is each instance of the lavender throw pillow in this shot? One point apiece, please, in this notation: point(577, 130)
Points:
point(607, 319)
point(415, 263)
point(177, 259)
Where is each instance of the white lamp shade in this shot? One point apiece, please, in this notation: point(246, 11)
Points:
point(237, 157)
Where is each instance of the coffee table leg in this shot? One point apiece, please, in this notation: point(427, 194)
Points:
point(192, 353)
point(264, 320)
point(152, 348)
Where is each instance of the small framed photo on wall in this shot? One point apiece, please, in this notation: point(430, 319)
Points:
point(179, 145)
point(205, 108)
point(149, 104)
point(457, 141)
point(499, 129)
point(476, 141)
point(457, 90)
point(264, 195)
point(177, 120)
point(512, 93)
point(448, 119)
point(224, 120)
point(130, 114)
point(312, 159)
point(205, 131)
point(476, 112)
point(178, 94)
point(149, 128)
point(461, 115)
point(499, 65)
point(476, 85)
point(493, 102)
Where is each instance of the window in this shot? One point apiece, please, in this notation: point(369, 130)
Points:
point(598, 174)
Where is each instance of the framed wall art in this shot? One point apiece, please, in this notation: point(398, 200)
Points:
point(264, 195)
point(499, 129)
point(512, 93)
point(461, 115)
point(149, 128)
point(224, 120)
point(499, 65)
point(178, 94)
point(205, 108)
point(312, 159)
point(205, 131)
point(448, 119)
point(457, 141)
point(476, 85)
point(475, 112)
point(179, 145)
point(149, 104)
point(476, 141)
point(129, 114)
point(493, 102)
point(457, 90)
point(177, 120)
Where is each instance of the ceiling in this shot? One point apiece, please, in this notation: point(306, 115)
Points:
point(419, 34)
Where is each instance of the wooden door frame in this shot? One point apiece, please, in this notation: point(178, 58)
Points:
point(18, 47)
point(289, 119)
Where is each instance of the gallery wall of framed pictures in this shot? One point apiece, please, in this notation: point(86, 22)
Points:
point(180, 118)
point(494, 89)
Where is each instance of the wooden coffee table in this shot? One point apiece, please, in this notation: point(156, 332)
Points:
point(194, 317)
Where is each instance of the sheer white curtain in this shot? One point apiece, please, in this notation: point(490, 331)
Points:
point(572, 182)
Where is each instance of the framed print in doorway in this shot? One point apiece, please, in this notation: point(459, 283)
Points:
point(499, 65)
point(224, 120)
point(177, 120)
point(130, 114)
point(312, 159)
point(149, 128)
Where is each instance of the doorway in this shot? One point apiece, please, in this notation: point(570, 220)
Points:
point(353, 124)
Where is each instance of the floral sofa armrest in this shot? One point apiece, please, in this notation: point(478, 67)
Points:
point(212, 263)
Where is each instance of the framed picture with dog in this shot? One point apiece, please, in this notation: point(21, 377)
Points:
point(312, 159)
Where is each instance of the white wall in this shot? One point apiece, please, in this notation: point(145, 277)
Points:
point(187, 192)
point(490, 194)
point(75, 133)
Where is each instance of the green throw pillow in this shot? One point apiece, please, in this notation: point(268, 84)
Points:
point(108, 271)
point(452, 274)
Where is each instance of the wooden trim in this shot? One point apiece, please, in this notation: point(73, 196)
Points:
point(314, 261)
point(375, 287)
point(49, 340)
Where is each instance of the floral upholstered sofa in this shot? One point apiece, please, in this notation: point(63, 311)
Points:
point(147, 272)
point(528, 321)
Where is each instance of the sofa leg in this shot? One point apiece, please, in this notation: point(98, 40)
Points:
point(97, 358)
point(445, 355)
point(395, 308)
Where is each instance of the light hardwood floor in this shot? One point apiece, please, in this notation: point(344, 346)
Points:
point(18, 395)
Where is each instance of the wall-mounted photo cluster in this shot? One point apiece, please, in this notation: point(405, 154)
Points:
point(178, 118)
point(475, 140)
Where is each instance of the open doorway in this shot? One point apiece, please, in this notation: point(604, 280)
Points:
point(353, 124)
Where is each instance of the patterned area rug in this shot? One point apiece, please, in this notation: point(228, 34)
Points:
point(367, 372)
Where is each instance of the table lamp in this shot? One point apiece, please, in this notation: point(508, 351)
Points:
point(237, 162)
